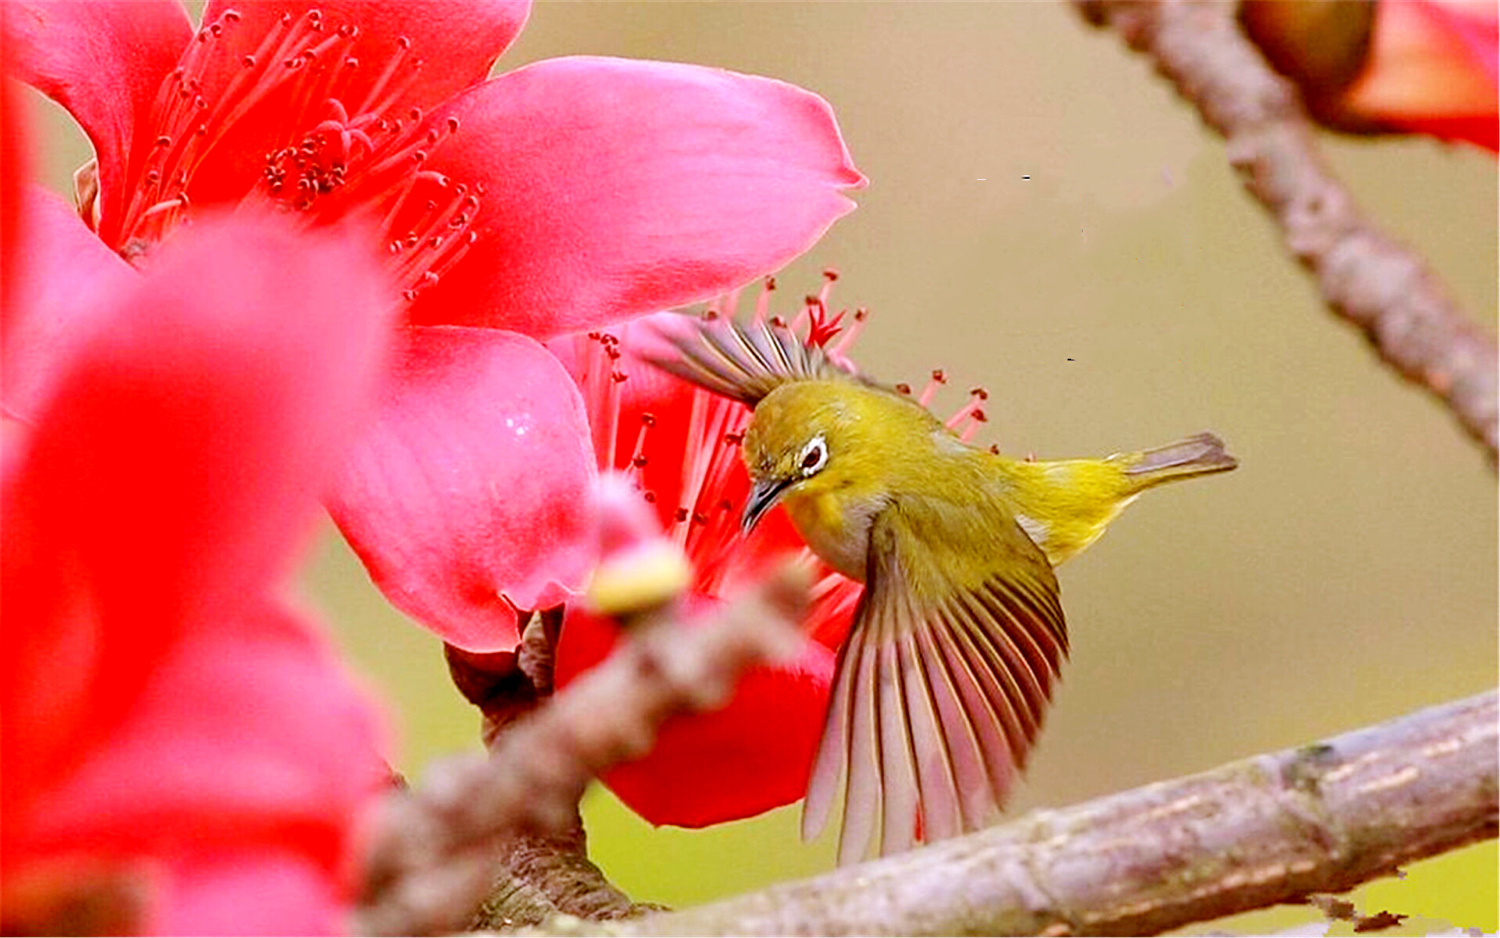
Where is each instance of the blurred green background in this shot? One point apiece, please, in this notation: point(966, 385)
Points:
point(1047, 219)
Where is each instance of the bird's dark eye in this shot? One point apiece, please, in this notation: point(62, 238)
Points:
point(814, 455)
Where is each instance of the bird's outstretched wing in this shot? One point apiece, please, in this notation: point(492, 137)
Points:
point(941, 687)
point(744, 362)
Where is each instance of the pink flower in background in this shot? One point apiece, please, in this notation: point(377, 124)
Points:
point(681, 445)
point(182, 753)
point(1417, 66)
point(554, 198)
point(1432, 69)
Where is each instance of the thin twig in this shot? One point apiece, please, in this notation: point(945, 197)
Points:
point(1271, 829)
point(433, 853)
point(1366, 277)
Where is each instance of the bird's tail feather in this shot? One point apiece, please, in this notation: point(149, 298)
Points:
point(1199, 454)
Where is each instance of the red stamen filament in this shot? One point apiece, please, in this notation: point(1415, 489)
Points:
point(763, 299)
point(939, 378)
point(353, 155)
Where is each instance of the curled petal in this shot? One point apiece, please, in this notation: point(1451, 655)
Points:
point(104, 61)
point(470, 495)
point(615, 187)
point(752, 755)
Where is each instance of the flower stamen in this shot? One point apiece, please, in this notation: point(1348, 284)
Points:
point(330, 158)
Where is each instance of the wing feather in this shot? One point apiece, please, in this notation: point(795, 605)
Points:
point(941, 688)
point(898, 775)
point(991, 675)
point(862, 798)
point(937, 766)
point(1008, 663)
point(744, 362)
point(833, 752)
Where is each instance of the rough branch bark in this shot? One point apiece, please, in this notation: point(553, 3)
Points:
point(1266, 830)
point(536, 876)
point(433, 854)
point(1366, 277)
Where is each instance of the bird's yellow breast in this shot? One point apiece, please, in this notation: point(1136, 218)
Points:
point(836, 526)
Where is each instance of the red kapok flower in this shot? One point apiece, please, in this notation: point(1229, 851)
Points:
point(182, 753)
point(1416, 66)
point(681, 445)
point(563, 195)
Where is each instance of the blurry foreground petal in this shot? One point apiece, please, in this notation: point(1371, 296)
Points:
point(157, 705)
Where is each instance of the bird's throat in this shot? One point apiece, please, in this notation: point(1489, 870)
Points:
point(835, 527)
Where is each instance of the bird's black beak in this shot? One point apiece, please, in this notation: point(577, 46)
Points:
point(763, 496)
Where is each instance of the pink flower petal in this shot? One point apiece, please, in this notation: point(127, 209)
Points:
point(171, 470)
point(470, 495)
point(257, 890)
point(614, 187)
point(248, 732)
point(104, 61)
point(753, 755)
point(15, 166)
point(1432, 70)
point(66, 283)
point(455, 42)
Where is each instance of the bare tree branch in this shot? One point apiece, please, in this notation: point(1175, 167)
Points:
point(433, 853)
point(1271, 829)
point(1365, 276)
point(536, 876)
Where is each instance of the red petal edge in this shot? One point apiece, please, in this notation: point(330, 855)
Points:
point(614, 188)
point(471, 495)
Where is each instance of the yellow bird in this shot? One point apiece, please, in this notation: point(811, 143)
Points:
point(940, 688)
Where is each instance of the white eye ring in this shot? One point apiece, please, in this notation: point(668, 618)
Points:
point(813, 456)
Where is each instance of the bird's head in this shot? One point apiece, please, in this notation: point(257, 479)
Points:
point(806, 437)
